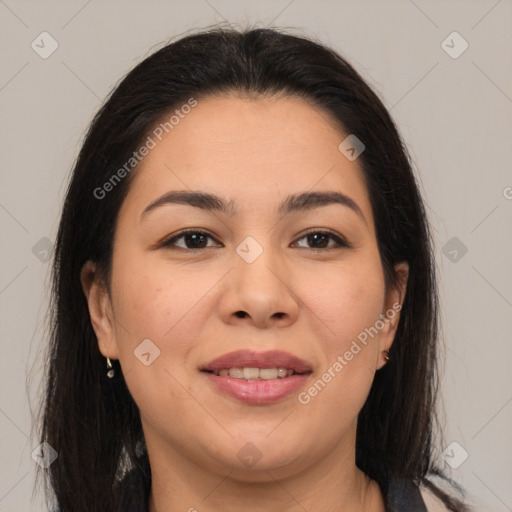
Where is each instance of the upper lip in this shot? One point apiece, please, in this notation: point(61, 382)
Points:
point(252, 359)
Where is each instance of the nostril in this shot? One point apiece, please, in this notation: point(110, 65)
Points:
point(241, 314)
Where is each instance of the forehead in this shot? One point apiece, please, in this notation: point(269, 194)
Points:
point(251, 150)
point(263, 130)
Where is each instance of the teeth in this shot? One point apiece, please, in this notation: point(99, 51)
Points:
point(236, 373)
point(250, 373)
point(268, 373)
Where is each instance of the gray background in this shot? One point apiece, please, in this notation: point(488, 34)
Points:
point(454, 114)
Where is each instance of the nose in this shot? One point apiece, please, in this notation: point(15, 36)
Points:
point(259, 293)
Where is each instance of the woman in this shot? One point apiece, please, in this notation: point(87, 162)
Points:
point(245, 308)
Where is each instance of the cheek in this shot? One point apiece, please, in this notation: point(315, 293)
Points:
point(160, 307)
point(166, 309)
point(346, 306)
point(344, 301)
point(173, 308)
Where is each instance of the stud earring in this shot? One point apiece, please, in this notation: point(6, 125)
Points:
point(111, 371)
point(386, 357)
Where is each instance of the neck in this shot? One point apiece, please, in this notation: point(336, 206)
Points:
point(331, 483)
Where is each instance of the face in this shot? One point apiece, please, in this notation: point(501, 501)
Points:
point(306, 281)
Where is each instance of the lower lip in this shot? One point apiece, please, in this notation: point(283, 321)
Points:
point(258, 391)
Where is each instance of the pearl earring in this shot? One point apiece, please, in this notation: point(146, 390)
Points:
point(111, 371)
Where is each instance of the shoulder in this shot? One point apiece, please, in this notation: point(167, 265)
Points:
point(404, 495)
point(432, 502)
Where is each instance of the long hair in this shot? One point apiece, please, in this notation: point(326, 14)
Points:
point(92, 421)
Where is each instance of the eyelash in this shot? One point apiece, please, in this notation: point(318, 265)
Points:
point(342, 243)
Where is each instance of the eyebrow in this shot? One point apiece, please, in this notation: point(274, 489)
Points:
point(295, 202)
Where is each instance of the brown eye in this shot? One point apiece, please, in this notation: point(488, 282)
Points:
point(193, 239)
point(320, 240)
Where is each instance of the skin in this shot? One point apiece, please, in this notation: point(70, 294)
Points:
point(254, 152)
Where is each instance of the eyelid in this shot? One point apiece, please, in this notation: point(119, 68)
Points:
point(166, 243)
point(339, 239)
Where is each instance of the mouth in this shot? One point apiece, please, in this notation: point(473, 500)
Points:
point(249, 373)
point(257, 378)
point(248, 361)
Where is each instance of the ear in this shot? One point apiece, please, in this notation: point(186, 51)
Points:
point(391, 315)
point(100, 310)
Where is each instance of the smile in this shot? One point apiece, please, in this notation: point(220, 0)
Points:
point(249, 373)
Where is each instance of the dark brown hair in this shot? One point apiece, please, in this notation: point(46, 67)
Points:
point(91, 420)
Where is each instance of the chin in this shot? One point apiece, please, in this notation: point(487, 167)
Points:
point(266, 469)
point(258, 459)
